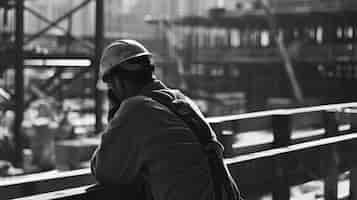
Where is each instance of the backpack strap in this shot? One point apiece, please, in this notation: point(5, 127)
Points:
point(222, 179)
point(191, 117)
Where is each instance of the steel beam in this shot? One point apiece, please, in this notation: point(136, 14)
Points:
point(99, 40)
point(19, 82)
point(48, 21)
point(58, 20)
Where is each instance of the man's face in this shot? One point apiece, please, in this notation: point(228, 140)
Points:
point(115, 89)
point(118, 88)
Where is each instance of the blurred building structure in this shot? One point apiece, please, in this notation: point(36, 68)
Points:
point(228, 59)
point(121, 15)
point(44, 51)
point(50, 50)
point(285, 53)
point(196, 50)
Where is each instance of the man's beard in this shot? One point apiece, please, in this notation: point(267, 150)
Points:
point(114, 103)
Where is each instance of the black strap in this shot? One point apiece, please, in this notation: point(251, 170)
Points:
point(202, 130)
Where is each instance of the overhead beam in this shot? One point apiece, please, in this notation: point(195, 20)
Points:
point(58, 20)
point(48, 21)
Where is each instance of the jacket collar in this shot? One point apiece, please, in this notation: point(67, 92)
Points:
point(156, 84)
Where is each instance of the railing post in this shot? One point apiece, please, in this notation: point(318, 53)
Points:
point(353, 172)
point(225, 137)
point(353, 184)
point(330, 123)
point(353, 117)
point(282, 129)
point(331, 157)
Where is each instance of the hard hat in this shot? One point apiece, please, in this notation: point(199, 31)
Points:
point(118, 52)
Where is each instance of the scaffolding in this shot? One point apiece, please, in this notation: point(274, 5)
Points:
point(14, 55)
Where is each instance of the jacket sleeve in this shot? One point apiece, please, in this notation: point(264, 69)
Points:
point(115, 160)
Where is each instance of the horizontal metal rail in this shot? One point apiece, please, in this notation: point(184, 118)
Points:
point(268, 113)
point(238, 165)
point(284, 163)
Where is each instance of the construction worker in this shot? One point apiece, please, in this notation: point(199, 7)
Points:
point(145, 146)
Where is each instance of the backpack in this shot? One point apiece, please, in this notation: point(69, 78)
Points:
point(224, 185)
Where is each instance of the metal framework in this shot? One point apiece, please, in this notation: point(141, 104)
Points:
point(18, 59)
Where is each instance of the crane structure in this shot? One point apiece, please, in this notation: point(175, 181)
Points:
point(15, 55)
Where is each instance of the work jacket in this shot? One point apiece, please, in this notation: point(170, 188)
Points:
point(146, 142)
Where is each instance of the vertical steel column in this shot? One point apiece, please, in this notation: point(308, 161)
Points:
point(353, 172)
point(330, 157)
point(19, 82)
point(99, 39)
point(282, 130)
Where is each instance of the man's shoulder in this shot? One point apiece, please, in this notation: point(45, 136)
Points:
point(132, 107)
point(137, 101)
point(131, 103)
point(137, 104)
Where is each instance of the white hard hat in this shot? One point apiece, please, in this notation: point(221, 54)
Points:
point(118, 52)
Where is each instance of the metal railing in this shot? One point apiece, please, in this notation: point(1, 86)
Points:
point(275, 168)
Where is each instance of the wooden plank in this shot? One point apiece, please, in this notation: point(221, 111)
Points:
point(301, 117)
point(291, 148)
point(26, 185)
point(73, 193)
point(281, 111)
